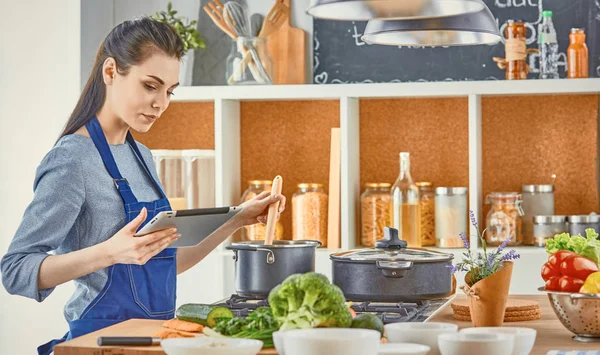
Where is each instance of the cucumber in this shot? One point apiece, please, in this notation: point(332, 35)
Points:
point(204, 314)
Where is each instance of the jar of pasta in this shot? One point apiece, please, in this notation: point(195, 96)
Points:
point(427, 204)
point(505, 218)
point(258, 231)
point(309, 213)
point(375, 212)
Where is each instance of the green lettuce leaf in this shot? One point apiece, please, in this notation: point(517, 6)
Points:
point(588, 246)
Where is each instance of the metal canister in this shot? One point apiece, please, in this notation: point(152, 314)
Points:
point(545, 227)
point(579, 223)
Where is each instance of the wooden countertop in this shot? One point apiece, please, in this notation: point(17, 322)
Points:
point(551, 334)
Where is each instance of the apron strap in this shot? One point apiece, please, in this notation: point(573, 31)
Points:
point(101, 144)
point(137, 152)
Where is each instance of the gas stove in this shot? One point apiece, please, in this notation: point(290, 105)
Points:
point(420, 311)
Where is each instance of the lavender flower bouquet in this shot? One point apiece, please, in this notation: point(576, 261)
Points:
point(482, 264)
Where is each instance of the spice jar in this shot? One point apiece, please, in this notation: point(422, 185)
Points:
point(516, 50)
point(451, 215)
point(427, 207)
point(258, 231)
point(545, 227)
point(579, 223)
point(309, 213)
point(504, 219)
point(375, 212)
point(577, 55)
point(538, 200)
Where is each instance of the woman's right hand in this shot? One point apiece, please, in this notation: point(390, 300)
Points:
point(125, 248)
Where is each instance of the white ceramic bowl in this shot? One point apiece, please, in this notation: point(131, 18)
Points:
point(476, 343)
point(278, 342)
point(419, 333)
point(211, 346)
point(524, 337)
point(331, 341)
point(403, 349)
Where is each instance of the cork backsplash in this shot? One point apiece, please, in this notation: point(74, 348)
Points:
point(526, 139)
point(287, 138)
point(188, 125)
point(433, 131)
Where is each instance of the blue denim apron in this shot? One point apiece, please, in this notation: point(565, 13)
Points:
point(131, 291)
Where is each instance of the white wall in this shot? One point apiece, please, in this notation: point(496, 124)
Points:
point(39, 86)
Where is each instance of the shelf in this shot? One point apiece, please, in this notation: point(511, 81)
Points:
point(388, 90)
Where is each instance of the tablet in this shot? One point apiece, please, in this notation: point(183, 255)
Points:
point(194, 225)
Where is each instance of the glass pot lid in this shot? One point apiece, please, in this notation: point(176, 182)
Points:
point(391, 248)
point(277, 244)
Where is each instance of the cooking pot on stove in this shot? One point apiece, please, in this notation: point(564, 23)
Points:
point(391, 272)
point(260, 267)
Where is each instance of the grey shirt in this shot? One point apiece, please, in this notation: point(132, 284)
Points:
point(75, 206)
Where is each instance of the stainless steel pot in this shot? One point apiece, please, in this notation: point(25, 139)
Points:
point(391, 272)
point(259, 267)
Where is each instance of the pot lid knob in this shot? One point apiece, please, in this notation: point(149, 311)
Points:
point(390, 240)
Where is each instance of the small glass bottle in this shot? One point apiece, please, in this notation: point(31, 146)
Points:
point(504, 219)
point(258, 231)
point(405, 205)
point(577, 55)
point(309, 213)
point(427, 203)
point(516, 50)
point(375, 212)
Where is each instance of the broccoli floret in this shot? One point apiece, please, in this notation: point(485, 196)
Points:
point(309, 301)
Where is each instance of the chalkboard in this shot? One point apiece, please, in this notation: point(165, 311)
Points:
point(341, 57)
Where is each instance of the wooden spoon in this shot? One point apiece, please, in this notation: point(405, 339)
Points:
point(273, 211)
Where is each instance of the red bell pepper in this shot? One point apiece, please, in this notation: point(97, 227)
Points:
point(566, 271)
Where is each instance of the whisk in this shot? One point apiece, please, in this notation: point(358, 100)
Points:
point(236, 17)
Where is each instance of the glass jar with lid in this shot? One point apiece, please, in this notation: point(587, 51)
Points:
point(545, 227)
point(309, 213)
point(451, 216)
point(505, 218)
point(538, 200)
point(258, 231)
point(427, 209)
point(579, 223)
point(375, 212)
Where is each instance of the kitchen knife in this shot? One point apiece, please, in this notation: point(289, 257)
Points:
point(128, 341)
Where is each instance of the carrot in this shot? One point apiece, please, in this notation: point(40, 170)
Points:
point(164, 334)
point(177, 324)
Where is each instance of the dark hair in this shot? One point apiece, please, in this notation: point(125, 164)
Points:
point(130, 43)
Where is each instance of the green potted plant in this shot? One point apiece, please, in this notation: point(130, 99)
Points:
point(487, 281)
point(189, 35)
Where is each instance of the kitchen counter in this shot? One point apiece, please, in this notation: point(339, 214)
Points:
point(551, 334)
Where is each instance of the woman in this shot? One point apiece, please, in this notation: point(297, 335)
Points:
point(95, 172)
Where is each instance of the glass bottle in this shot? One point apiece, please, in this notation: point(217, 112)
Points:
point(258, 231)
point(548, 46)
point(516, 50)
point(405, 205)
point(577, 55)
point(309, 213)
point(427, 203)
point(504, 219)
point(375, 212)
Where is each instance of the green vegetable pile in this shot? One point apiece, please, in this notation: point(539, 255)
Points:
point(259, 324)
point(309, 301)
point(588, 246)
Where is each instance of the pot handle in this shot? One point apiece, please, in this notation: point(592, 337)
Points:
point(394, 269)
point(270, 254)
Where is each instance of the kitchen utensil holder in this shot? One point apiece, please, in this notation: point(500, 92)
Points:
point(249, 62)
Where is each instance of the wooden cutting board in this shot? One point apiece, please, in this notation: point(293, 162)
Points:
point(87, 344)
point(287, 47)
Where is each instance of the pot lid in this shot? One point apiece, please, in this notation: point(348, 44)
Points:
point(390, 248)
point(277, 244)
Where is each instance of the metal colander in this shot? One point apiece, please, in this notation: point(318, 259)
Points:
point(578, 312)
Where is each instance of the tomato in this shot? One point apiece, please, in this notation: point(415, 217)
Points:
point(578, 267)
point(557, 258)
point(552, 283)
point(569, 284)
point(548, 271)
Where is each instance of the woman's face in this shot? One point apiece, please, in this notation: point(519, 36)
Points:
point(141, 96)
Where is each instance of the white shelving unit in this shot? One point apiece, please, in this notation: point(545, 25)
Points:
point(228, 156)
